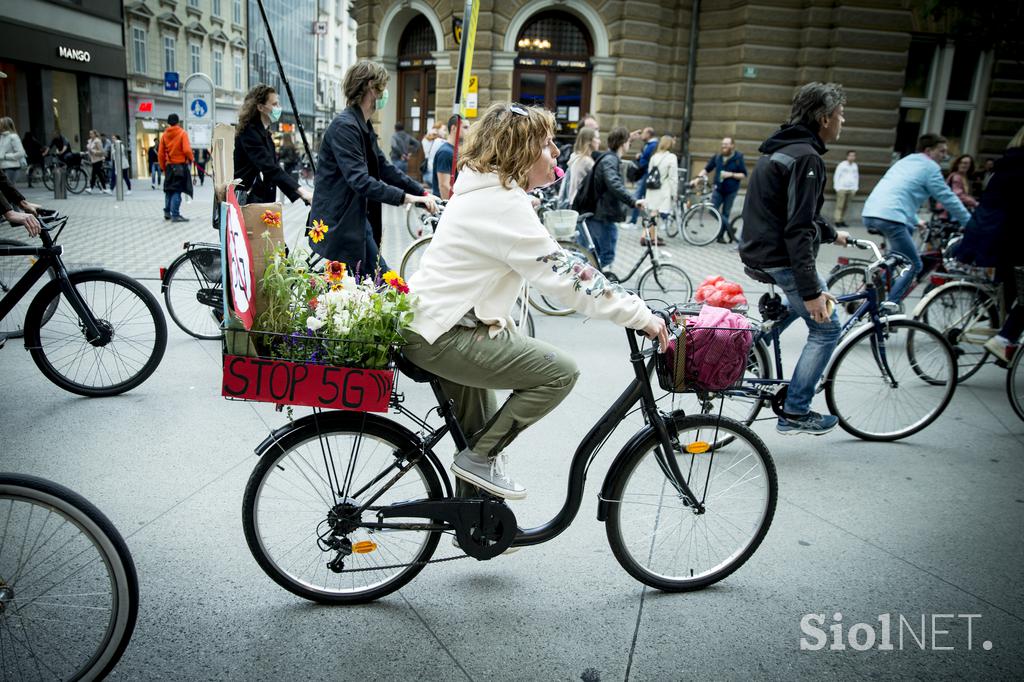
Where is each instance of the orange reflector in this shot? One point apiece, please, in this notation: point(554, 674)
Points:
point(364, 547)
point(698, 447)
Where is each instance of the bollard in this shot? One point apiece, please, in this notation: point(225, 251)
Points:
point(60, 187)
point(117, 152)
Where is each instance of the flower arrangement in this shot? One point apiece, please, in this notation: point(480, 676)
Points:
point(331, 317)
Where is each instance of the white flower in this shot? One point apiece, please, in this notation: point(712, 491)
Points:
point(314, 323)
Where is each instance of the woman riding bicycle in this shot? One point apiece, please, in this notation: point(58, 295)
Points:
point(470, 279)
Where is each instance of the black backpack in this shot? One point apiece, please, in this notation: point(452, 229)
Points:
point(586, 195)
point(654, 178)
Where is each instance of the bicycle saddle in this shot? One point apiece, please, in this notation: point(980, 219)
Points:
point(417, 374)
point(758, 275)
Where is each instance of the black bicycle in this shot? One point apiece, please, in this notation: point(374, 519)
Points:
point(193, 290)
point(889, 377)
point(93, 332)
point(346, 507)
point(69, 593)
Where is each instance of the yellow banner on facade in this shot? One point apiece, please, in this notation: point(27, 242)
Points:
point(462, 78)
point(470, 101)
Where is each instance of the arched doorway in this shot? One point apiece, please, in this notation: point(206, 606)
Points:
point(417, 83)
point(553, 68)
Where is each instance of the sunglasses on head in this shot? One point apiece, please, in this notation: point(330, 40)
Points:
point(518, 110)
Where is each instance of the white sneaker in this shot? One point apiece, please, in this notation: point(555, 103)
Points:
point(128, 192)
point(106, 191)
point(88, 190)
point(1001, 347)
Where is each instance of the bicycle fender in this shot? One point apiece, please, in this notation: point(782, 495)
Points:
point(311, 424)
point(618, 464)
point(854, 336)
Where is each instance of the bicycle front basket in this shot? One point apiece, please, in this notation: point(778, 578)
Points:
point(671, 364)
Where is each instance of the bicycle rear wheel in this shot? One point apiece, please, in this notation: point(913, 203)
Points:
point(967, 315)
point(76, 180)
point(659, 538)
point(412, 257)
point(69, 593)
point(301, 501)
point(844, 281)
point(48, 178)
point(665, 283)
point(125, 309)
point(701, 224)
point(873, 405)
point(193, 292)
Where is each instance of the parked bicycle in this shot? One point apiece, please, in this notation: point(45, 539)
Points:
point(93, 332)
point(346, 507)
point(76, 179)
point(193, 290)
point(888, 378)
point(697, 220)
point(69, 593)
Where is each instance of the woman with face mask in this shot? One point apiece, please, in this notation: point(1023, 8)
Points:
point(256, 165)
point(353, 177)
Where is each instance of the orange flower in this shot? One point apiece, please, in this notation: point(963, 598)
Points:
point(317, 232)
point(396, 282)
point(271, 218)
point(335, 271)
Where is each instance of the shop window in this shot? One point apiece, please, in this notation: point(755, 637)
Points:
point(139, 49)
point(170, 54)
point(553, 69)
point(941, 93)
point(218, 68)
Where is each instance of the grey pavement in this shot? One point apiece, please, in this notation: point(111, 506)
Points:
point(927, 526)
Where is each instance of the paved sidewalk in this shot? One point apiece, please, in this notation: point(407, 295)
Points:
point(919, 528)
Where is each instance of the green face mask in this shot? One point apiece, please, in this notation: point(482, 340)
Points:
point(382, 101)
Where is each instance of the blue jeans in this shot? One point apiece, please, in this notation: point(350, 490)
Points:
point(723, 202)
point(401, 164)
point(640, 193)
point(172, 204)
point(155, 174)
point(821, 341)
point(899, 239)
point(606, 236)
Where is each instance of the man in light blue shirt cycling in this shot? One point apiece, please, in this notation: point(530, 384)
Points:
point(892, 206)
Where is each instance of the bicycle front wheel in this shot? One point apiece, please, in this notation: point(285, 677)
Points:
point(193, 293)
point(1015, 384)
point(48, 178)
point(845, 281)
point(126, 312)
point(664, 283)
point(660, 538)
point(967, 315)
point(702, 224)
point(414, 222)
point(890, 383)
point(412, 257)
point(69, 593)
point(300, 507)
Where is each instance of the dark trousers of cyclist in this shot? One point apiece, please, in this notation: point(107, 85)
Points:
point(821, 341)
point(899, 239)
point(723, 202)
point(606, 237)
point(472, 365)
point(201, 172)
point(96, 178)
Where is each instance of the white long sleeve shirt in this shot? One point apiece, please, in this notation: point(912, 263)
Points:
point(488, 242)
point(846, 177)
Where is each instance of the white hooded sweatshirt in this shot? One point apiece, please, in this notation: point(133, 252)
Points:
point(488, 242)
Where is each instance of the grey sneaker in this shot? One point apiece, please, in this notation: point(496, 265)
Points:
point(812, 423)
point(487, 473)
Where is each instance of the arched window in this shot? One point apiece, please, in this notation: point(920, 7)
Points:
point(417, 83)
point(553, 68)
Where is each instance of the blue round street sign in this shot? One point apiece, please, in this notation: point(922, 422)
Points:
point(199, 107)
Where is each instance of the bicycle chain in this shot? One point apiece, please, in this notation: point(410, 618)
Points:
point(414, 563)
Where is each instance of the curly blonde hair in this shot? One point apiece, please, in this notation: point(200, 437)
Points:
point(507, 140)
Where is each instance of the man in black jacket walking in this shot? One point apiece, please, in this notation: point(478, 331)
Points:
point(612, 200)
point(353, 178)
point(782, 230)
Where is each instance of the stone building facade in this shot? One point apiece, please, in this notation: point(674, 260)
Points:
point(627, 63)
